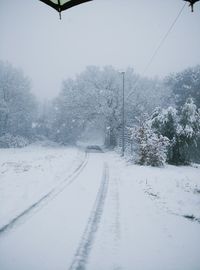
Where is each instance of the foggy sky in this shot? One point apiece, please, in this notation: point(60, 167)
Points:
point(121, 33)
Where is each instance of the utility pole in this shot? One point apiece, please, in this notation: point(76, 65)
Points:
point(123, 120)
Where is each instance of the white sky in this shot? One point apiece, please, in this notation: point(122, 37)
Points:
point(121, 33)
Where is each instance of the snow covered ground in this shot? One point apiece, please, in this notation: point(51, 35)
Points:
point(175, 189)
point(28, 174)
point(113, 215)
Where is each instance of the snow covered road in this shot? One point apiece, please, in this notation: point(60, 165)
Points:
point(104, 220)
point(49, 239)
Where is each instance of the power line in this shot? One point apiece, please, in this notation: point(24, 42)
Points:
point(159, 46)
point(163, 40)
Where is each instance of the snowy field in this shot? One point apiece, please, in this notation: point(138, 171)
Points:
point(28, 174)
point(112, 216)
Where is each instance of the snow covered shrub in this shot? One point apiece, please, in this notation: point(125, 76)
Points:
point(151, 147)
point(9, 141)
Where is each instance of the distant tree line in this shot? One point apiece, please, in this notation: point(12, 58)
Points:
point(162, 115)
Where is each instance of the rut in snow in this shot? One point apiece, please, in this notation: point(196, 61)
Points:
point(81, 256)
point(46, 198)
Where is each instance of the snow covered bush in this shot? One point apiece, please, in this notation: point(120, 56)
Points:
point(151, 147)
point(10, 141)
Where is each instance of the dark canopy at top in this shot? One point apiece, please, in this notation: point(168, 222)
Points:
point(192, 2)
point(61, 5)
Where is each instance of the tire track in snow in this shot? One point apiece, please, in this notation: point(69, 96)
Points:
point(82, 254)
point(117, 225)
point(108, 238)
point(46, 198)
point(116, 206)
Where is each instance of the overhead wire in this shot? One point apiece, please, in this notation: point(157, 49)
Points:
point(158, 47)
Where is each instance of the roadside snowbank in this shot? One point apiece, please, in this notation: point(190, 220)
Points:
point(176, 189)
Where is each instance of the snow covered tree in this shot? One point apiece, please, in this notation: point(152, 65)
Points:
point(142, 95)
point(189, 129)
point(184, 85)
point(106, 87)
point(166, 122)
point(66, 124)
point(92, 96)
point(17, 104)
point(95, 95)
point(151, 147)
point(181, 128)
